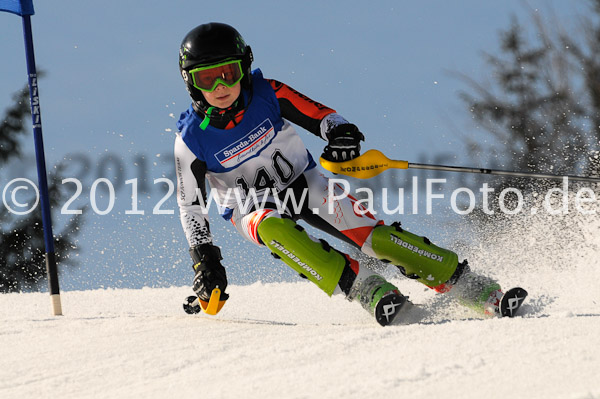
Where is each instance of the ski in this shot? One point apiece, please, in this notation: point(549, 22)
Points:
point(388, 307)
point(392, 309)
point(511, 301)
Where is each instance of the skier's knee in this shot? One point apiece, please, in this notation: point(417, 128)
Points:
point(314, 259)
point(247, 225)
point(415, 255)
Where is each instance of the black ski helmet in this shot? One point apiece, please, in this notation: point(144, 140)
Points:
point(209, 44)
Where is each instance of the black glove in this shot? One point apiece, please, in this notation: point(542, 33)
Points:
point(344, 143)
point(209, 271)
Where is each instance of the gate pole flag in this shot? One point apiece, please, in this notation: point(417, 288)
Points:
point(24, 8)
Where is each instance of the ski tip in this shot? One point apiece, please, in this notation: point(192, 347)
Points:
point(388, 308)
point(512, 301)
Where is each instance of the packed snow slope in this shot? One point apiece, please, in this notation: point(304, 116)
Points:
point(289, 340)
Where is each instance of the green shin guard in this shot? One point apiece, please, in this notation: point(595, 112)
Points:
point(432, 265)
point(318, 262)
point(420, 259)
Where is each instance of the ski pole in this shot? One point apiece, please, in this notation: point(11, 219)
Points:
point(373, 162)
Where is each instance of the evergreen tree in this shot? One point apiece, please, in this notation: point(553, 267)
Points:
point(22, 262)
point(542, 107)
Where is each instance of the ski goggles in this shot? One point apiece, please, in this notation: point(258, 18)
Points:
point(207, 78)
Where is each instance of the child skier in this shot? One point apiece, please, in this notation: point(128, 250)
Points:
point(237, 135)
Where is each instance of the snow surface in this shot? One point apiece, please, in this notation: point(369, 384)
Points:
point(289, 340)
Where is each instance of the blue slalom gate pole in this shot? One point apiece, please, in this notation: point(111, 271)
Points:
point(24, 8)
point(36, 119)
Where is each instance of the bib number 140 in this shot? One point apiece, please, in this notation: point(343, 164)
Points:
point(279, 173)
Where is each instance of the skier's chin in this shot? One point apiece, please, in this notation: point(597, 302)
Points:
point(223, 102)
